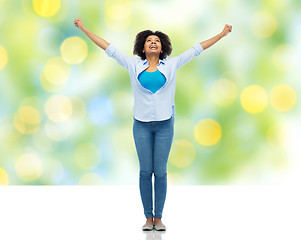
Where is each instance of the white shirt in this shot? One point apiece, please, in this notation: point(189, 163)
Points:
point(156, 106)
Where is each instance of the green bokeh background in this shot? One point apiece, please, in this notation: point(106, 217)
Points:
point(97, 146)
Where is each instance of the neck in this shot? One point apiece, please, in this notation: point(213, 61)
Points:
point(153, 59)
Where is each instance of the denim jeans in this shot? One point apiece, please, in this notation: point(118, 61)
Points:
point(153, 141)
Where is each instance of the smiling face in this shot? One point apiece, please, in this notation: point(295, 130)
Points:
point(152, 45)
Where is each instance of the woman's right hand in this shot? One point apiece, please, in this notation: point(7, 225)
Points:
point(78, 23)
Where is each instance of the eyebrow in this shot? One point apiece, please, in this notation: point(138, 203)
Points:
point(152, 38)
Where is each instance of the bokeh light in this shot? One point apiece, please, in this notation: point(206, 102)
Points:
point(118, 15)
point(74, 50)
point(182, 153)
point(4, 180)
point(254, 99)
point(46, 8)
point(3, 57)
point(263, 24)
point(27, 120)
point(28, 167)
point(283, 97)
point(55, 74)
point(207, 132)
point(58, 108)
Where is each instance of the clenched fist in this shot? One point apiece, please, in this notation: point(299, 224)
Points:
point(78, 23)
point(227, 29)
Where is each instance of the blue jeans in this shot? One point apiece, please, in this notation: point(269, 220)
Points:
point(153, 141)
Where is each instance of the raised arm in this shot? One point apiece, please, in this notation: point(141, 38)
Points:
point(96, 39)
point(195, 51)
point(208, 43)
point(121, 58)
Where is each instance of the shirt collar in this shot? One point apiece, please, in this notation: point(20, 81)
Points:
point(160, 61)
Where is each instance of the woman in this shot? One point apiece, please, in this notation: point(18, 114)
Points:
point(153, 80)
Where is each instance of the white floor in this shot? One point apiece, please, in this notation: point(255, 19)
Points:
point(115, 212)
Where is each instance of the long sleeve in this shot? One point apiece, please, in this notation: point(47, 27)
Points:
point(188, 55)
point(119, 56)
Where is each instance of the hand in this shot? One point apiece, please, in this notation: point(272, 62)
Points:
point(227, 29)
point(78, 23)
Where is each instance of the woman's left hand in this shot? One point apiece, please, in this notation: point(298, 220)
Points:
point(227, 29)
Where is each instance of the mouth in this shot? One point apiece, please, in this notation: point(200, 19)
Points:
point(153, 47)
